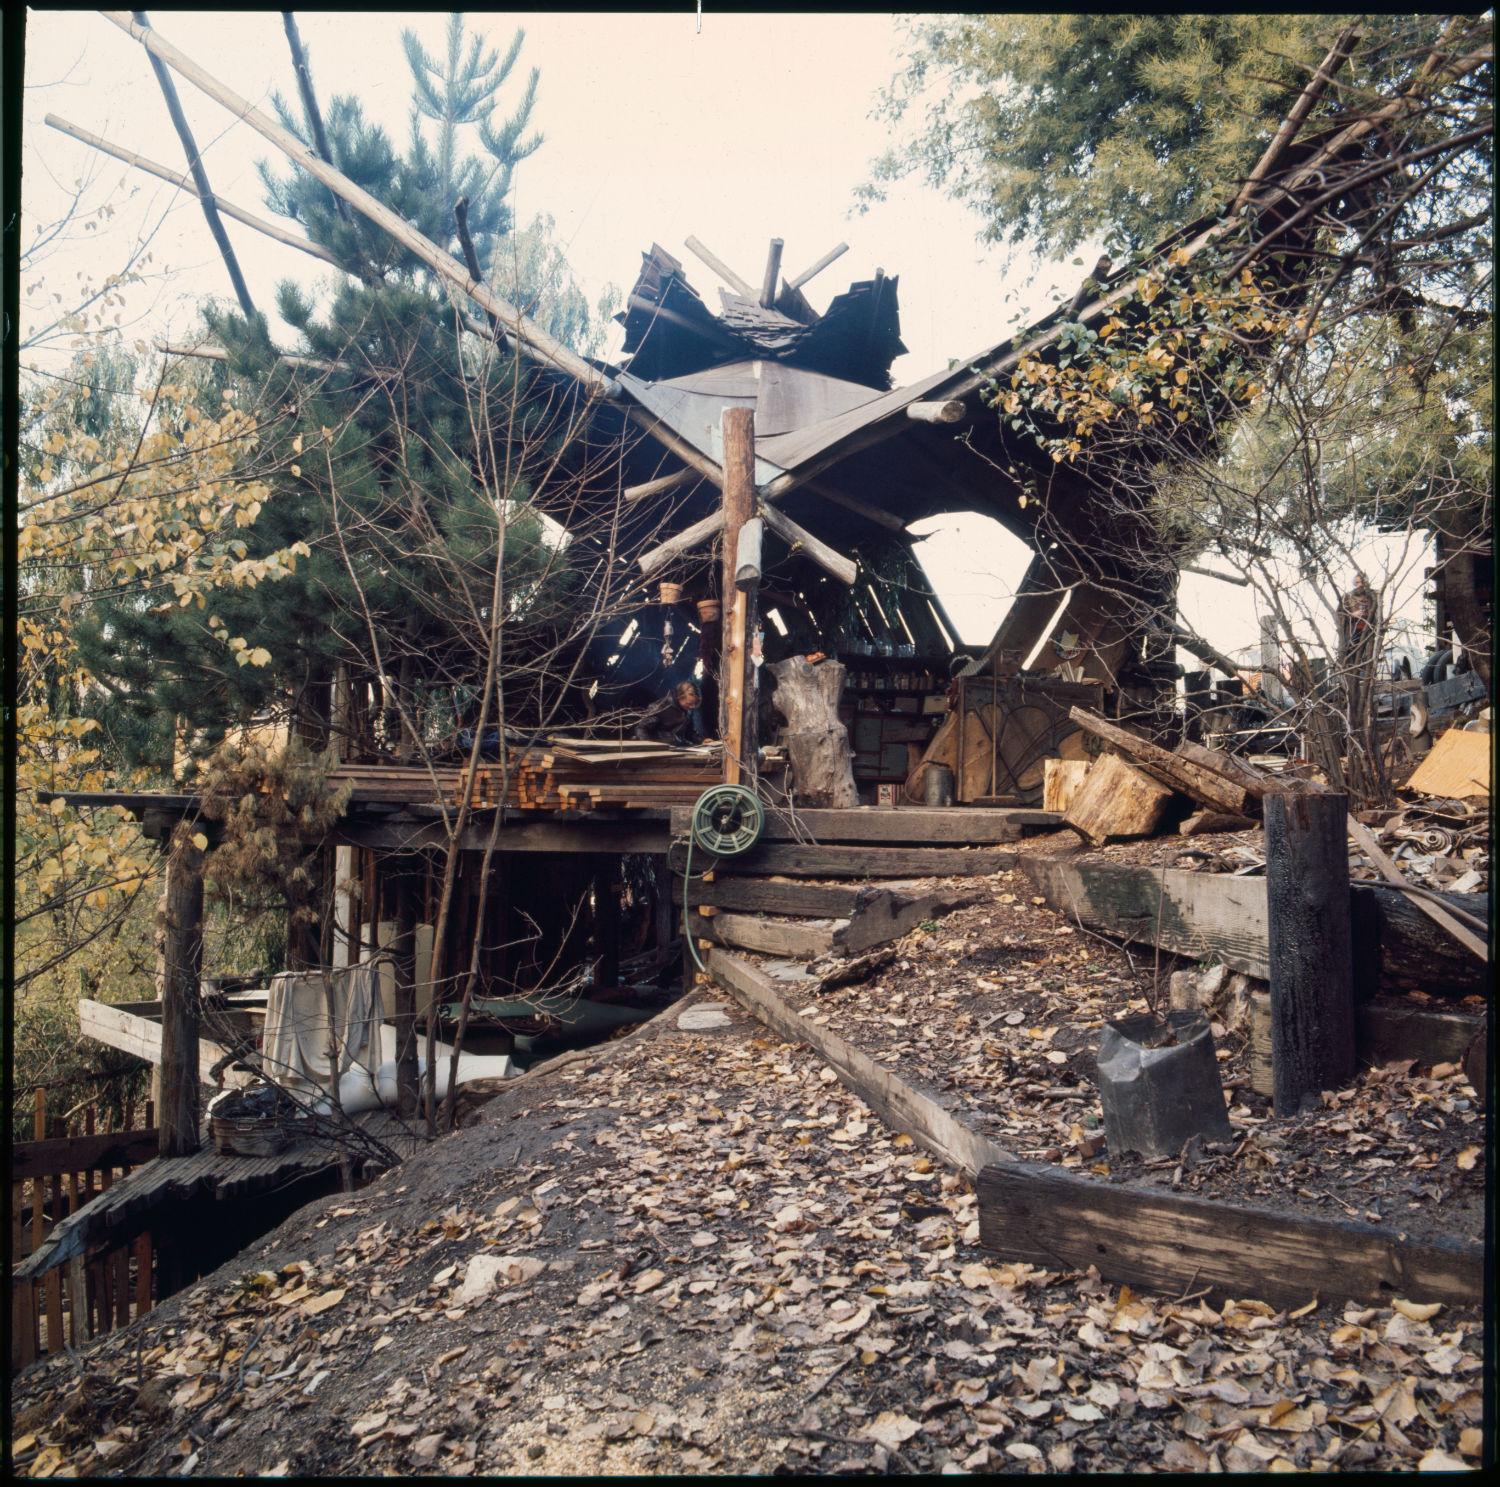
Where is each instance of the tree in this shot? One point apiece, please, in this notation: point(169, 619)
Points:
point(1277, 395)
point(1059, 129)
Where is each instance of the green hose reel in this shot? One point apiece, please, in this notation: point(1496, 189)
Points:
point(727, 820)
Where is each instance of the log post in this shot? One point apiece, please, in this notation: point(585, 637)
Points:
point(182, 917)
point(1309, 945)
point(738, 723)
point(817, 742)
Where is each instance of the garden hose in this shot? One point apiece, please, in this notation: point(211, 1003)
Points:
point(726, 821)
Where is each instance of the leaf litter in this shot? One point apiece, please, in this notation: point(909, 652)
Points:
point(720, 1260)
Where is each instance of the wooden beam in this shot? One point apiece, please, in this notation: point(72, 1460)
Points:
point(764, 936)
point(735, 678)
point(181, 1009)
point(444, 264)
point(1224, 916)
point(834, 563)
point(683, 543)
point(721, 268)
point(59, 1155)
point(895, 1102)
point(883, 915)
point(950, 411)
point(203, 192)
point(131, 1033)
point(1207, 785)
point(768, 279)
point(660, 486)
point(916, 826)
point(887, 519)
point(206, 352)
point(540, 836)
point(758, 895)
point(1169, 1244)
point(863, 862)
point(185, 183)
point(809, 273)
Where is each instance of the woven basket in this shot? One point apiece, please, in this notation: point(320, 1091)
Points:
point(249, 1137)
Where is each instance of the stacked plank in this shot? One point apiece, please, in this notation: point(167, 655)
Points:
point(557, 773)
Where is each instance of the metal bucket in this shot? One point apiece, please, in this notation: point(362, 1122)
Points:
point(937, 785)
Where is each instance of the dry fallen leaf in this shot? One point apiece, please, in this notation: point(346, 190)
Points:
point(1468, 1157)
point(1417, 1311)
point(326, 1302)
point(648, 1280)
point(891, 1429)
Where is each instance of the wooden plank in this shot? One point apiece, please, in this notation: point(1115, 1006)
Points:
point(121, 1266)
point(897, 1103)
point(23, 1335)
point(1061, 781)
point(915, 826)
point(141, 1036)
point(78, 1302)
point(73, 1154)
point(142, 1274)
point(1169, 1244)
point(1458, 765)
point(549, 836)
point(859, 862)
point(1197, 914)
point(884, 915)
point(764, 896)
point(52, 1286)
point(766, 936)
point(1383, 1032)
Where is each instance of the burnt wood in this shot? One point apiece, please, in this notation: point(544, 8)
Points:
point(882, 915)
point(181, 1009)
point(1388, 1030)
point(1169, 1244)
point(1309, 945)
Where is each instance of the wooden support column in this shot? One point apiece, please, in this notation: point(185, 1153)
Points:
point(736, 684)
point(606, 921)
point(1309, 945)
point(404, 952)
point(180, 1006)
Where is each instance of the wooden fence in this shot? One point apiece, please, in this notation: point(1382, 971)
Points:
point(53, 1176)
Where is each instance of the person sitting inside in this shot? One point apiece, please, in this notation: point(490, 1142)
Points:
point(673, 720)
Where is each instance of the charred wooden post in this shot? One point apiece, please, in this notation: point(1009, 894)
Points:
point(738, 722)
point(1309, 944)
point(182, 917)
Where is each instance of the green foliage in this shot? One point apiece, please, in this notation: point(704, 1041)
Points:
point(276, 806)
point(1063, 128)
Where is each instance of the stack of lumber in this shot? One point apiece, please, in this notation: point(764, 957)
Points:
point(557, 773)
point(1126, 792)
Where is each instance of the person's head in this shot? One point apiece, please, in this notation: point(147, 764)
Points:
point(687, 695)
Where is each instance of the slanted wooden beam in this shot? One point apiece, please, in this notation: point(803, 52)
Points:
point(200, 177)
point(660, 486)
point(950, 411)
point(887, 519)
point(773, 267)
point(794, 536)
point(218, 353)
point(721, 268)
point(185, 183)
point(817, 268)
point(444, 264)
point(736, 681)
point(683, 543)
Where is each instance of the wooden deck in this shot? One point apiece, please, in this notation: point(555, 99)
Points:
point(128, 1206)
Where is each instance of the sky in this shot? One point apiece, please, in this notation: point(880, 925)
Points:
point(749, 128)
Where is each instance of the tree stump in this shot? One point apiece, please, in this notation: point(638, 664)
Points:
point(1115, 800)
point(1310, 945)
point(817, 743)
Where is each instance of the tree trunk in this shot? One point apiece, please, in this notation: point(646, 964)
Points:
point(817, 742)
point(1309, 944)
point(177, 1112)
